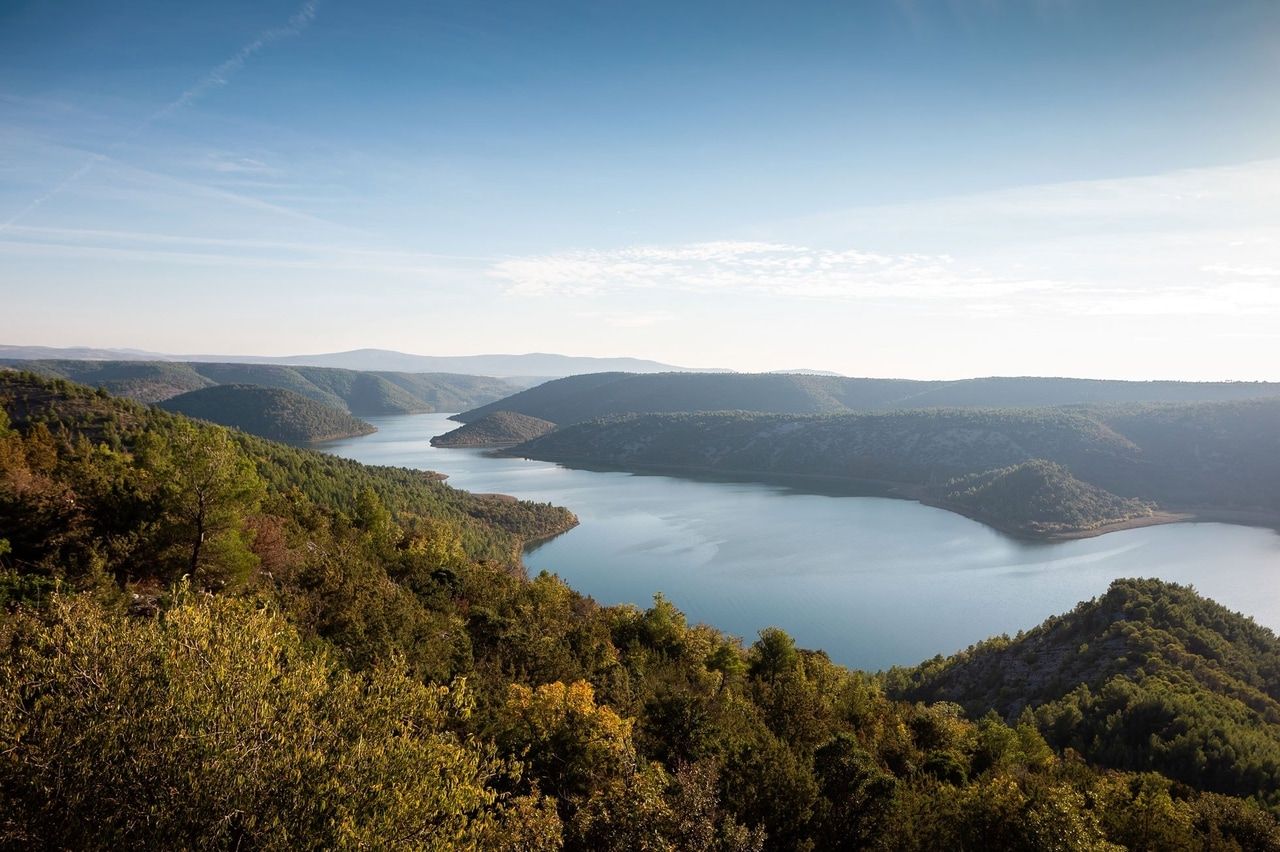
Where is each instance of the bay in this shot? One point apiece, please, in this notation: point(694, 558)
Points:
point(874, 582)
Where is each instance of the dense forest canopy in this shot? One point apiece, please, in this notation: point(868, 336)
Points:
point(501, 428)
point(209, 640)
point(279, 415)
point(1149, 676)
point(1095, 464)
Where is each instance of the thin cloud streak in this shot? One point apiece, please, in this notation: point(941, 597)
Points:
point(331, 260)
point(216, 78)
point(89, 238)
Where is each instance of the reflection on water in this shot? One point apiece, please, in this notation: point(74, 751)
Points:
point(875, 582)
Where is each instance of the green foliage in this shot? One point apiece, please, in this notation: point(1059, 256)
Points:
point(773, 654)
point(579, 398)
point(501, 428)
point(215, 727)
point(278, 415)
point(359, 392)
point(1037, 471)
point(206, 488)
point(1149, 676)
point(318, 699)
point(1039, 497)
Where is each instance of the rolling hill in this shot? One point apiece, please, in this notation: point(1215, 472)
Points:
point(1149, 676)
point(1217, 460)
point(499, 429)
point(272, 413)
point(360, 393)
point(1038, 498)
point(579, 398)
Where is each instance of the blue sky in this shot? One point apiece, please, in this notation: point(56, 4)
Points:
point(889, 187)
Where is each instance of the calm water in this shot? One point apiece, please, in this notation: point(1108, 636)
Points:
point(874, 582)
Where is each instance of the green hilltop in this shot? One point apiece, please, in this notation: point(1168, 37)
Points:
point(1148, 677)
point(499, 429)
point(280, 415)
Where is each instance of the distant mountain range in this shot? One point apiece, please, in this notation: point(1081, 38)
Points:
point(529, 368)
point(353, 391)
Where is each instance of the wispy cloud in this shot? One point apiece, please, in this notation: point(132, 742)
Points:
point(22, 240)
point(220, 75)
point(1237, 271)
point(216, 78)
point(626, 319)
point(741, 267)
point(1202, 242)
point(224, 163)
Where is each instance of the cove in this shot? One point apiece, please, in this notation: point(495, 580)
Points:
point(874, 582)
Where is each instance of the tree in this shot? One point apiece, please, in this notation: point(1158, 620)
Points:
point(208, 486)
point(772, 654)
point(568, 741)
point(217, 726)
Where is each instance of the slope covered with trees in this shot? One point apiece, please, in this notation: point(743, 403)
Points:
point(1149, 676)
point(272, 413)
point(208, 640)
point(579, 398)
point(1219, 460)
point(357, 392)
point(499, 429)
point(1038, 497)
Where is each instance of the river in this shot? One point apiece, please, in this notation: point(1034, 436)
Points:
point(874, 582)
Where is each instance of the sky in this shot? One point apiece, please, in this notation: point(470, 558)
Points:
point(915, 188)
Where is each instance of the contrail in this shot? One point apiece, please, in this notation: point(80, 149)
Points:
point(219, 76)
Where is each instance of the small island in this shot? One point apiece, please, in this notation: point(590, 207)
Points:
point(499, 429)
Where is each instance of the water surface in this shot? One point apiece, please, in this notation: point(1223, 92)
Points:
point(874, 582)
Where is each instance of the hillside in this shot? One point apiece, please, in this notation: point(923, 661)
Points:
point(499, 429)
point(918, 447)
point(489, 529)
point(189, 615)
point(579, 398)
point(1149, 676)
point(1219, 460)
point(360, 393)
point(1038, 498)
point(272, 413)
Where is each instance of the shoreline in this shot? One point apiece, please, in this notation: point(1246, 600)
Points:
point(848, 486)
point(487, 445)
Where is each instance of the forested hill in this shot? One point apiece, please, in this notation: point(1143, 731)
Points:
point(208, 640)
point(273, 413)
point(1150, 676)
point(360, 393)
point(499, 429)
point(1037, 497)
point(1206, 458)
point(586, 397)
